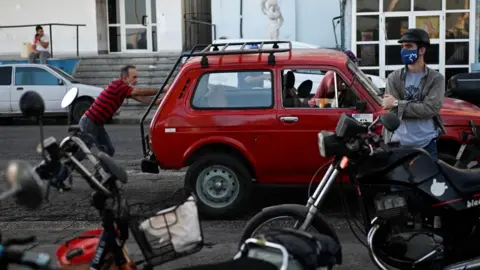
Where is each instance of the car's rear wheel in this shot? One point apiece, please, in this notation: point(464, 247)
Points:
point(221, 183)
point(79, 108)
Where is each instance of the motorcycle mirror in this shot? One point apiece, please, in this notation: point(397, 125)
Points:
point(69, 97)
point(24, 184)
point(390, 121)
point(32, 105)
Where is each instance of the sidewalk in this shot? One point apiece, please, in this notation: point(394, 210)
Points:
point(132, 114)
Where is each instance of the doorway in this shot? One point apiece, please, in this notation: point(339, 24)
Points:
point(132, 26)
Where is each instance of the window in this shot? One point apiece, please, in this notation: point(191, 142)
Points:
point(5, 75)
point(316, 89)
point(236, 89)
point(64, 74)
point(34, 76)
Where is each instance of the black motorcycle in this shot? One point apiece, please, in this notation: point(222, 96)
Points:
point(417, 213)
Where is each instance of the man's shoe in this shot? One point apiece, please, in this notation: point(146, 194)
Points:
point(61, 186)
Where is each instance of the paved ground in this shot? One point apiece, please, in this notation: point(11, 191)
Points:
point(68, 213)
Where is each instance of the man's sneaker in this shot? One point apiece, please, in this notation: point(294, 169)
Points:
point(61, 186)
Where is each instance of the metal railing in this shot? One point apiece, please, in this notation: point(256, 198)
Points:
point(77, 26)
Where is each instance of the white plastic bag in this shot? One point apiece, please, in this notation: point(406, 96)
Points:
point(182, 223)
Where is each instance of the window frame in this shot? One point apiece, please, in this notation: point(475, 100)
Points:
point(11, 75)
point(199, 79)
point(337, 71)
point(36, 67)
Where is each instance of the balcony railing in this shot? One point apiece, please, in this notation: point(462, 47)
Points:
point(77, 26)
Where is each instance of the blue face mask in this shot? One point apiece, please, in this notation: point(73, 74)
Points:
point(409, 56)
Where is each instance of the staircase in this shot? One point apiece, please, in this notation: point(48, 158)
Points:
point(100, 70)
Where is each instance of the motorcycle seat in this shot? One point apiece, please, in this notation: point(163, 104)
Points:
point(240, 264)
point(464, 180)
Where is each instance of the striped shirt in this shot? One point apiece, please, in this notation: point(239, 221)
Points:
point(108, 102)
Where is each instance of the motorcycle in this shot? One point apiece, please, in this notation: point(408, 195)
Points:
point(417, 212)
point(165, 230)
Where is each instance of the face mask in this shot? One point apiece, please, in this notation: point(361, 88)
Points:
point(409, 56)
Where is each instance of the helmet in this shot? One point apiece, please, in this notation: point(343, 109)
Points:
point(351, 55)
point(416, 35)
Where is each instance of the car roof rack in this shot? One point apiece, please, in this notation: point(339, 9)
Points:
point(203, 50)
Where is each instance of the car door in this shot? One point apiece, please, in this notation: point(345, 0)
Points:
point(5, 86)
point(41, 80)
point(297, 150)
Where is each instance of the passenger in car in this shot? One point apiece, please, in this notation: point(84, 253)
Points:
point(216, 97)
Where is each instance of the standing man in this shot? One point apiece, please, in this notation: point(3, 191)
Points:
point(415, 93)
point(41, 46)
point(104, 108)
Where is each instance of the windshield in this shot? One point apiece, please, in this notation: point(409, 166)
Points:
point(64, 74)
point(365, 81)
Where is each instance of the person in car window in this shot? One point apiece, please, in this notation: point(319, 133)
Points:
point(40, 47)
point(415, 93)
point(248, 80)
point(327, 86)
point(103, 109)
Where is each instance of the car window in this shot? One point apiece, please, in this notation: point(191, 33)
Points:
point(238, 89)
point(371, 88)
point(5, 75)
point(64, 74)
point(34, 76)
point(316, 89)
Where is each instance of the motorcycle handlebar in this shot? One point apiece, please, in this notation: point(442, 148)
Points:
point(47, 169)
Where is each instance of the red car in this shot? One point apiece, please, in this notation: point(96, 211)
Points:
point(232, 118)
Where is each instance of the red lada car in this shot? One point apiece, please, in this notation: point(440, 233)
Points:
point(237, 118)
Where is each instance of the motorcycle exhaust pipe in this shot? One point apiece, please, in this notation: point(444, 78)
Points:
point(473, 264)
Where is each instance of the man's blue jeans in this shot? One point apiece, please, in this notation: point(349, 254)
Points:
point(93, 134)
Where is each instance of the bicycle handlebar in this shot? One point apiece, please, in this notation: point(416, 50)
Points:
point(30, 259)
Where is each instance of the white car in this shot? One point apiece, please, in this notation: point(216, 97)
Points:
point(300, 75)
point(50, 82)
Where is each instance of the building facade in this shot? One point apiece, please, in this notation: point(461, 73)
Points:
point(372, 27)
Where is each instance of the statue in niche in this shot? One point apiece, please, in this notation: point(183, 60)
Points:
point(271, 9)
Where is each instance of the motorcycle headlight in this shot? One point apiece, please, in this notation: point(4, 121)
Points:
point(324, 137)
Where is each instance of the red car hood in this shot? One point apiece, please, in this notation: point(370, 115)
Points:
point(459, 112)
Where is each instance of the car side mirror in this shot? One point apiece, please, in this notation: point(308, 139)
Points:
point(361, 106)
point(61, 82)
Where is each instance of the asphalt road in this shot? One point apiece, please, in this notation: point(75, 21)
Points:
point(67, 214)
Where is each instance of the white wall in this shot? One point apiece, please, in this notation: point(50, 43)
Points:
point(17, 12)
point(307, 21)
point(170, 25)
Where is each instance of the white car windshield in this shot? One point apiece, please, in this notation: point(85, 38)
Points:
point(365, 81)
point(64, 74)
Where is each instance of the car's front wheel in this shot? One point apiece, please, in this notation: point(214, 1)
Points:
point(221, 183)
point(79, 108)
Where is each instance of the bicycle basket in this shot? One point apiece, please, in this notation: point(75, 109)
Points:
point(167, 230)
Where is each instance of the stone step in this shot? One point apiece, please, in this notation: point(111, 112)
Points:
point(128, 61)
point(113, 74)
point(86, 67)
point(157, 81)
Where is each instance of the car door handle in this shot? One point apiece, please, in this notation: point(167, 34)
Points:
point(19, 88)
point(289, 119)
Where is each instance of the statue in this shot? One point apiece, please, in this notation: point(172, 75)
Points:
point(271, 9)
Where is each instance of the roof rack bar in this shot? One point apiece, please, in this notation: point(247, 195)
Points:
point(242, 50)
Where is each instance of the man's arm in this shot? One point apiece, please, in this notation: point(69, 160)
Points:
point(146, 100)
point(44, 43)
point(143, 92)
point(431, 104)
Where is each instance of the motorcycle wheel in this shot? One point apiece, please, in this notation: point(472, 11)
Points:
point(295, 211)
